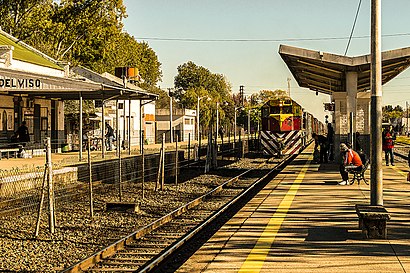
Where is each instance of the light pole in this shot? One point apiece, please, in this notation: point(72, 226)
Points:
point(217, 120)
point(249, 122)
point(170, 115)
point(197, 114)
point(234, 125)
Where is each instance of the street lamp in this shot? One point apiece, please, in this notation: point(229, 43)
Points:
point(217, 118)
point(197, 114)
point(170, 114)
point(234, 123)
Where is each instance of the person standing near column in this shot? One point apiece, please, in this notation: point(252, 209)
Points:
point(388, 137)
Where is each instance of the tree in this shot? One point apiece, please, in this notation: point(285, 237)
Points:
point(193, 81)
point(21, 18)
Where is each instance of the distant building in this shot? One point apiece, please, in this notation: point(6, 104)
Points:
point(183, 123)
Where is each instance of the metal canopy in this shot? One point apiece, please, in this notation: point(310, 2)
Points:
point(326, 72)
point(66, 88)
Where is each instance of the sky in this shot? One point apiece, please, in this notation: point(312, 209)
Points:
point(240, 39)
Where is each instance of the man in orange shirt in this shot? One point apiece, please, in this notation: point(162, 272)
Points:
point(351, 160)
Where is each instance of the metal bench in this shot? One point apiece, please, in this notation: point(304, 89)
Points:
point(372, 221)
point(358, 174)
point(8, 152)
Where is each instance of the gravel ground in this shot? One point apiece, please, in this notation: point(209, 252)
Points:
point(77, 236)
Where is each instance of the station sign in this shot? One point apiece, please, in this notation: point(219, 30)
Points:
point(23, 83)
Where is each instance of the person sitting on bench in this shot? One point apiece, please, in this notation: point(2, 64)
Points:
point(351, 160)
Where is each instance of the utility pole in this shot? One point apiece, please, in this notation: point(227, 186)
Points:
point(170, 115)
point(376, 172)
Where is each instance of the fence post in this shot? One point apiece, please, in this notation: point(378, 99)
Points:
point(40, 207)
point(176, 160)
point(163, 162)
point(189, 147)
point(90, 178)
point(161, 151)
point(119, 167)
point(51, 219)
point(143, 169)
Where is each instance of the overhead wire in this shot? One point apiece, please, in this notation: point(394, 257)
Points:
point(353, 27)
point(265, 40)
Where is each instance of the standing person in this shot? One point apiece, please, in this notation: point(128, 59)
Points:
point(351, 160)
point(109, 135)
point(321, 141)
point(22, 133)
point(330, 140)
point(388, 137)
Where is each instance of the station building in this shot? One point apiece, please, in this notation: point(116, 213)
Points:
point(34, 86)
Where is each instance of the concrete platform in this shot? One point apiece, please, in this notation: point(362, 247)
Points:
point(302, 221)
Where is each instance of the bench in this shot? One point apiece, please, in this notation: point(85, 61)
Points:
point(8, 152)
point(372, 221)
point(358, 174)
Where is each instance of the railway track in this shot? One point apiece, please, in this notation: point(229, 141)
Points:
point(146, 248)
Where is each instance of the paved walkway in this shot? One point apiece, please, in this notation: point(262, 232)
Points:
point(302, 221)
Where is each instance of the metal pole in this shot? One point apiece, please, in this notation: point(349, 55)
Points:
point(176, 160)
point(163, 163)
point(249, 123)
point(170, 116)
point(103, 130)
point(141, 134)
point(142, 155)
point(81, 128)
point(51, 219)
point(376, 174)
point(129, 127)
point(234, 129)
point(117, 126)
point(189, 147)
point(197, 119)
point(217, 122)
point(90, 177)
point(119, 168)
point(124, 123)
point(352, 137)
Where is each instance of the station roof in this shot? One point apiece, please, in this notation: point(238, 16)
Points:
point(25, 53)
point(51, 87)
point(326, 72)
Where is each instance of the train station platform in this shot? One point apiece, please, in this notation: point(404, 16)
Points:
point(303, 221)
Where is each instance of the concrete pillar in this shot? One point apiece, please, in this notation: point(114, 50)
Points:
point(351, 90)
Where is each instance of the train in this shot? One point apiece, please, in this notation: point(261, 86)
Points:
point(286, 128)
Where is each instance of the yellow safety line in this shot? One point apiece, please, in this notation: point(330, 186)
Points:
point(399, 171)
point(257, 256)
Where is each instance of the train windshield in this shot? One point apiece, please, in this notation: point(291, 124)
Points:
point(275, 110)
point(287, 110)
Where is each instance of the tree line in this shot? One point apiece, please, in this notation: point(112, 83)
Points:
point(90, 33)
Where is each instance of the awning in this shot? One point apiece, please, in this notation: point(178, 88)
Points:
point(326, 72)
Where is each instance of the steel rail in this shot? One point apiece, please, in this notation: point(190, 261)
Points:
point(174, 247)
point(110, 250)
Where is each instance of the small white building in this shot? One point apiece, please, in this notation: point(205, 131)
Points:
point(183, 124)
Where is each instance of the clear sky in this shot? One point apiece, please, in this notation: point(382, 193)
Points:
point(240, 39)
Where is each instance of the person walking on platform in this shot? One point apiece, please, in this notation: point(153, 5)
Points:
point(109, 135)
point(321, 141)
point(388, 137)
point(351, 160)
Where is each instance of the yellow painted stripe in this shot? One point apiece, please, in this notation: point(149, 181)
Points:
point(399, 171)
point(257, 256)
